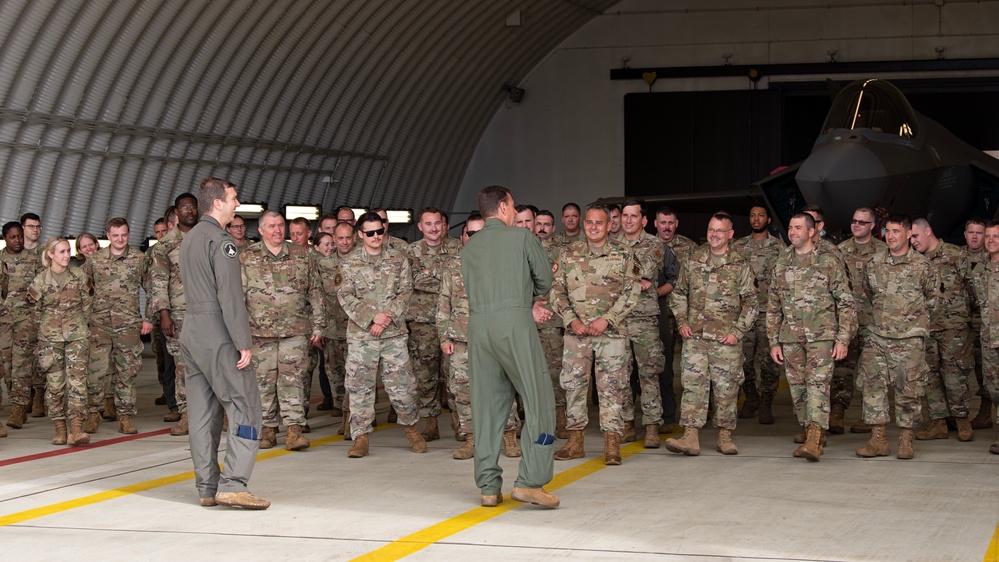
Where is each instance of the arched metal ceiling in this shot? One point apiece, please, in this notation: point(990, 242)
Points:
point(113, 107)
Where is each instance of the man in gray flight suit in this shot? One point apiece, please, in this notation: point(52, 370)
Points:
point(215, 344)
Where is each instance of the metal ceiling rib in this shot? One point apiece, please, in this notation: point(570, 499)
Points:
point(113, 107)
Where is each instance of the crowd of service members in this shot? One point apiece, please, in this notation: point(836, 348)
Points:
point(911, 314)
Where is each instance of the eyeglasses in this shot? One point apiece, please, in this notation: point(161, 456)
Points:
point(33, 226)
point(855, 221)
point(470, 232)
point(718, 230)
point(375, 232)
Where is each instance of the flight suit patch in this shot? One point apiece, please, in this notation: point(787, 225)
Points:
point(229, 249)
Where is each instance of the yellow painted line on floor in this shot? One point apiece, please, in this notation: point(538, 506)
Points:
point(423, 538)
point(992, 554)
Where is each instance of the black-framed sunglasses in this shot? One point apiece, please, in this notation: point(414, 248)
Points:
point(470, 232)
point(370, 233)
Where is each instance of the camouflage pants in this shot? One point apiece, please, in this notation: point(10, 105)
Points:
point(708, 367)
point(809, 368)
point(756, 348)
point(21, 340)
point(5, 348)
point(115, 361)
point(309, 373)
point(551, 343)
point(990, 373)
point(173, 346)
point(643, 338)
point(363, 360)
point(425, 351)
point(159, 350)
point(610, 360)
point(950, 362)
point(900, 363)
point(844, 379)
point(976, 350)
point(64, 366)
point(336, 357)
point(458, 385)
point(280, 364)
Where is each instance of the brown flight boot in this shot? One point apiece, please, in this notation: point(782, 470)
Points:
point(652, 436)
point(750, 405)
point(294, 440)
point(268, 437)
point(936, 429)
point(180, 428)
point(246, 500)
point(125, 425)
point(860, 427)
point(60, 434)
point(573, 449)
point(466, 451)
point(536, 496)
point(359, 448)
point(17, 417)
point(93, 422)
point(812, 449)
point(629, 434)
point(983, 420)
point(511, 448)
point(560, 422)
point(905, 451)
point(964, 431)
point(430, 430)
point(38, 403)
point(877, 446)
point(688, 444)
point(766, 409)
point(416, 441)
point(491, 500)
point(836, 419)
point(725, 444)
point(612, 448)
point(109, 411)
point(77, 437)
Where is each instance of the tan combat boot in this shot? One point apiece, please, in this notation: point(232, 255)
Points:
point(574, 448)
point(766, 409)
point(936, 429)
point(812, 449)
point(983, 420)
point(629, 434)
point(268, 437)
point(77, 436)
point(750, 405)
point(109, 411)
point(878, 444)
point(359, 448)
point(126, 426)
point(93, 422)
point(964, 431)
point(652, 436)
point(38, 403)
point(560, 423)
point(3, 431)
point(416, 441)
point(612, 448)
point(688, 444)
point(511, 448)
point(467, 450)
point(725, 444)
point(60, 434)
point(430, 430)
point(17, 417)
point(905, 451)
point(294, 440)
point(800, 436)
point(836, 419)
point(180, 428)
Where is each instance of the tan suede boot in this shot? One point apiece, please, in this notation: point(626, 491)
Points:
point(77, 436)
point(126, 426)
point(467, 450)
point(688, 444)
point(813, 443)
point(511, 448)
point(180, 428)
point(268, 437)
point(294, 440)
point(60, 433)
point(573, 449)
point(430, 430)
point(93, 422)
point(964, 430)
point(905, 451)
point(836, 414)
point(18, 417)
point(725, 444)
point(652, 436)
point(38, 403)
point(416, 441)
point(936, 429)
point(878, 444)
point(359, 448)
point(612, 448)
point(629, 434)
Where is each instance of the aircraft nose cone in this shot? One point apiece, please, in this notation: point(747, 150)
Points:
point(840, 161)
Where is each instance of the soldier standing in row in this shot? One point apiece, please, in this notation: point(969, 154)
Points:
point(571, 231)
point(335, 344)
point(974, 236)
point(551, 330)
point(18, 328)
point(985, 280)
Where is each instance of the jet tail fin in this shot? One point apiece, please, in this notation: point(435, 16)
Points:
point(782, 195)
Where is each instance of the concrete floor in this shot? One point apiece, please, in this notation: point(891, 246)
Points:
point(135, 500)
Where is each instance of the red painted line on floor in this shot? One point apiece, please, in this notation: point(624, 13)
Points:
point(67, 449)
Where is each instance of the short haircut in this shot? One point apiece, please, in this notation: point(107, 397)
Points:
point(665, 211)
point(49, 246)
point(570, 206)
point(240, 217)
point(901, 219)
point(424, 211)
point(343, 224)
point(635, 201)
point(86, 236)
point(474, 216)
point(819, 213)
point(867, 210)
point(211, 190)
point(185, 195)
point(614, 207)
point(444, 217)
point(989, 224)
point(490, 198)
point(160, 220)
point(116, 222)
point(809, 219)
point(723, 216)
point(762, 206)
point(170, 214)
point(545, 212)
point(7, 226)
point(976, 220)
point(921, 222)
point(522, 208)
point(599, 207)
point(30, 216)
point(302, 221)
point(367, 217)
point(270, 213)
point(533, 209)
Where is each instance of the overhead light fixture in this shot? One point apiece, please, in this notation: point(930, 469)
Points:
point(404, 216)
point(358, 211)
point(251, 210)
point(310, 212)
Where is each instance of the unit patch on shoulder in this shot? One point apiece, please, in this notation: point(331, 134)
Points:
point(555, 267)
point(229, 249)
point(338, 279)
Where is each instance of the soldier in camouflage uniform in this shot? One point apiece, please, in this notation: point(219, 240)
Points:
point(715, 305)
point(167, 299)
point(335, 344)
point(18, 328)
point(856, 251)
point(284, 305)
point(974, 236)
point(551, 331)
point(570, 223)
point(985, 281)
point(597, 284)
point(374, 286)
point(948, 348)
point(641, 326)
point(761, 249)
point(424, 344)
point(810, 321)
point(117, 273)
point(901, 285)
point(60, 298)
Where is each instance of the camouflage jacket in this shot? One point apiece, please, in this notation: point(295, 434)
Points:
point(283, 294)
point(715, 300)
point(682, 247)
point(810, 301)
point(597, 283)
point(553, 250)
point(166, 286)
point(372, 284)
point(901, 290)
point(950, 309)
point(762, 254)
point(650, 255)
point(563, 239)
point(981, 256)
point(116, 281)
point(452, 303)
point(17, 271)
point(62, 312)
point(425, 263)
point(336, 318)
point(856, 257)
point(985, 281)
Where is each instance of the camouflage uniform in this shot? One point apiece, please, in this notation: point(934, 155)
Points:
point(552, 331)
point(981, 256)
point(810, 308)
point(901, 289)
point(335, 344)
point(714, 296)
point(115, 326)
point(844, 376)
point(424, 344)
point(366, 285)
point(761, 255)
point(60, 304)
point(667, 325)
point(641, 328)
point(985, 281)
point(284, 306)
point(594, 283)
point(948, 348)
point(563, 239)
point(167, 293)
point(18, 327)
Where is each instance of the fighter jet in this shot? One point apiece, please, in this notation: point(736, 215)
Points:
point(875, 151)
